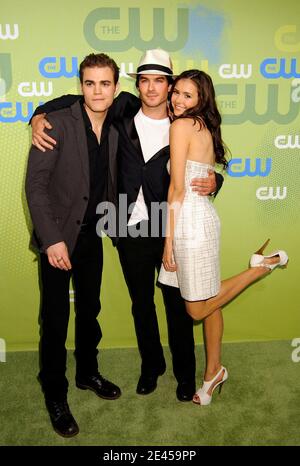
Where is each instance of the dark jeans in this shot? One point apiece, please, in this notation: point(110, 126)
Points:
point(87, 263)
point(140, 258)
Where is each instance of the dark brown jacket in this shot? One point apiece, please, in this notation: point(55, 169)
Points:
point(57, 181)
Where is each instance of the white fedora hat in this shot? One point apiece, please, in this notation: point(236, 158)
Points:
point(155, 61)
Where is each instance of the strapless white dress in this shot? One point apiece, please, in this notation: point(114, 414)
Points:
point(196, 242)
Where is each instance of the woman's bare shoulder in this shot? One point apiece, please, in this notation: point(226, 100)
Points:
point(182, 126)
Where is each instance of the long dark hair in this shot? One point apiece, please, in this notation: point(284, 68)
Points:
point(205, 112)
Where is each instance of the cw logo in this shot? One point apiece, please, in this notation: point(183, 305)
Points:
point(94, 20)
point(249, 112)
point(11, 112)
point(269, 69)
point(295, 95)
point(238, 167)
point(228, 71)
point(27, 89)
point(283, 43)
point(5, 73)
point(287, 142)
point(123, 72)
point(2, 350)
point(8, 34)
point(265, 194)
point(296, 351)
point(53, 67)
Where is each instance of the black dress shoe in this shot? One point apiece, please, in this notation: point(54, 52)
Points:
point(61, 417)
point(185, 391)
point(148, 383)
point(99, 385)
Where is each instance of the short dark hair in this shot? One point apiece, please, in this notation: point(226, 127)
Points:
point(99, 60)
point(170, 79)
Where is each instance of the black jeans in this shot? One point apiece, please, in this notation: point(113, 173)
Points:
point(87, 264)
point(140, 258)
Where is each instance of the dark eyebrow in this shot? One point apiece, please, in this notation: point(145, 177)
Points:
point(105, 81)
point(185, 93)
point(158, 78)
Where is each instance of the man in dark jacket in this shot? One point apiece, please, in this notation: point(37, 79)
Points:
point(63, 189)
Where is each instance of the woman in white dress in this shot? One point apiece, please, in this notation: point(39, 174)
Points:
point(191, 254)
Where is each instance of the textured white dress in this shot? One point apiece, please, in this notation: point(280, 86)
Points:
point(196, 242)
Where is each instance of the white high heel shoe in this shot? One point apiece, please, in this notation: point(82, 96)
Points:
point(258, 259)
point(203, 398)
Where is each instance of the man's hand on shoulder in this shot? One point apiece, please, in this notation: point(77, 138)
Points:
point(40, 138)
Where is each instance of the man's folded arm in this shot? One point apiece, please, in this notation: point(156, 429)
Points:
point(56, 104)
point(122, 102)
point(125, 103)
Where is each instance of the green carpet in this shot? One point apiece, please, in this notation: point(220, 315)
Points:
point(259, 404)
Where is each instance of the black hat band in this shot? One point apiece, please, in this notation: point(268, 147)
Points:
point(154, 67)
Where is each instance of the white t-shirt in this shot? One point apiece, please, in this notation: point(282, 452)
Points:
point(153, 136)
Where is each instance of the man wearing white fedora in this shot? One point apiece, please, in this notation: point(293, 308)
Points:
point(143, 153)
